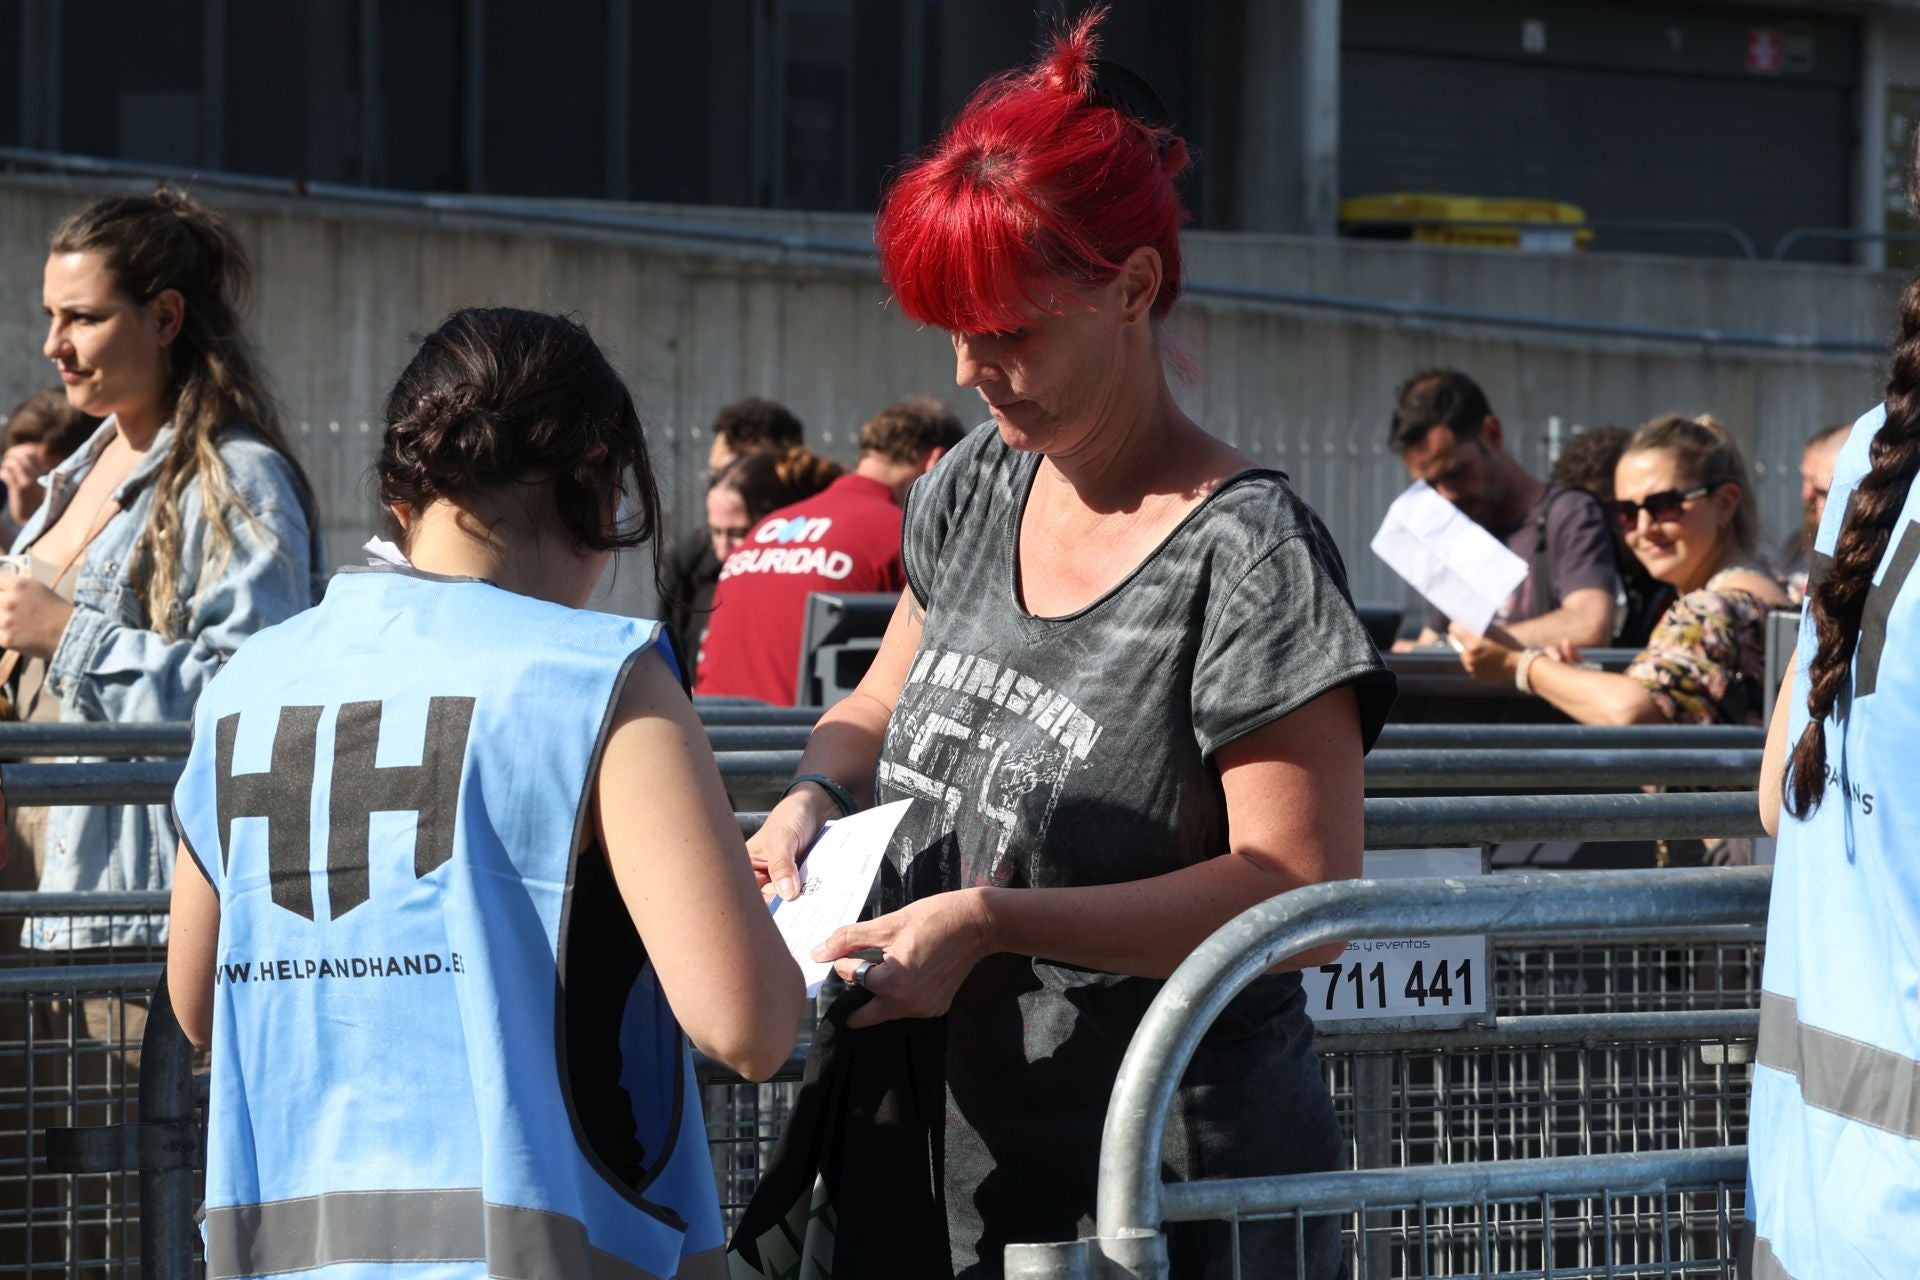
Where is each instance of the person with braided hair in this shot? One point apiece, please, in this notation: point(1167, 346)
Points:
point(1834, 1136)
point(182, 526)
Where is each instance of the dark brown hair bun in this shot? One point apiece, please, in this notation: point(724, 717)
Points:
point(499, 396)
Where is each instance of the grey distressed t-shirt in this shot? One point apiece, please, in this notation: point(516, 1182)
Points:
point(1078, 750)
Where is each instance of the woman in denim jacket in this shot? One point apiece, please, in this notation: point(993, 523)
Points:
point(183, 526)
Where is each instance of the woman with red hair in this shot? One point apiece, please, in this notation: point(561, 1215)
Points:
point(1126, 690)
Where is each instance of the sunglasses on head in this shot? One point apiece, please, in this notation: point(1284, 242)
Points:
point(1668, 504)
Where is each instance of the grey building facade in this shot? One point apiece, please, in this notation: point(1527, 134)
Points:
point(1764, 118)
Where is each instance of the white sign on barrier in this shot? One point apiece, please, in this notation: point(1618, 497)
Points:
point(1394, 980)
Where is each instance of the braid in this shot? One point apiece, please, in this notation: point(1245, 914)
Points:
point(1840, 599)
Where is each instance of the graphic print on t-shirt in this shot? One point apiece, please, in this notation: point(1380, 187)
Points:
point(791, 550)
point(969, 731)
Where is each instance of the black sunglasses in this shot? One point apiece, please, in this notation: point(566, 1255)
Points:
point(1668, 504)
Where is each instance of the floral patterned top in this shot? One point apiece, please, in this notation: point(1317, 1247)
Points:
point(1707, 657)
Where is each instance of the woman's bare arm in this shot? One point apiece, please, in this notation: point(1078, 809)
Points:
point(1773, 764)
point(193, 943)
point(676, 853)
point(845, 746)
point(1594, 697)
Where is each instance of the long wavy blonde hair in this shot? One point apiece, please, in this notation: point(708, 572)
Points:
point(169, 241)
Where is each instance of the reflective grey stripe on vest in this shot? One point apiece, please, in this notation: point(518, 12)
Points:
point(1765, 1265)
point(404, 1226)
point(1839, 1074)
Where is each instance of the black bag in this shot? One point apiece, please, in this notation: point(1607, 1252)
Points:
point(856, 1189)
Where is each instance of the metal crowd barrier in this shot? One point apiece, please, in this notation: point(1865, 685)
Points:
point(1573, 1216)
point(72, 1027)
point(1498, 1094)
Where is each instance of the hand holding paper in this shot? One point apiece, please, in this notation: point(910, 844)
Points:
point(1461, 569)
point(835, 877)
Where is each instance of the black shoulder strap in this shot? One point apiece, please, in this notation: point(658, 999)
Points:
point(1545, 598)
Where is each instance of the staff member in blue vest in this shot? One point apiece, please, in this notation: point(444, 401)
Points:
point(1835, 1131)
point(457, 869)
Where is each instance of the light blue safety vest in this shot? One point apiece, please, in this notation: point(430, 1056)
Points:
point(435, 1042)
point(1835, 1145)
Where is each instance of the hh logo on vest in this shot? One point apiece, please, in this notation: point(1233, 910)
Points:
point(284, 797)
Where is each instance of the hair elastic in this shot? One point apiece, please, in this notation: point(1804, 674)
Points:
point(841, 797)
point(1128, 92)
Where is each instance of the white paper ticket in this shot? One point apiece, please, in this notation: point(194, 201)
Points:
point(835, 878)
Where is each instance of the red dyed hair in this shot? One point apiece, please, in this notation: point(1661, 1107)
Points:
point(1039, 178)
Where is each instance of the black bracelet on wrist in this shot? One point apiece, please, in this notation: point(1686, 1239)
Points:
point(841, 797)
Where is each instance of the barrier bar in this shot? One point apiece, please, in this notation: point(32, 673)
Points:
point(718, 716)
point(1373, 1190)
point(1557, 737)
point(73, 979)
point(170, 739)
point(767, 772)
point(1393, 822)
point(758, 728)
point(764, 774)
point(1504, 767)
point(1413, 822)
point(31, 902)
point(1568, 1030)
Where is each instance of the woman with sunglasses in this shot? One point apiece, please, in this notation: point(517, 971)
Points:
point(1684, 510)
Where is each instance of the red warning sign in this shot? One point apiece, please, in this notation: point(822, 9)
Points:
point(1765, 53)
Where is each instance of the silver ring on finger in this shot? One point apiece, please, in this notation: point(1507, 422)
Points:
point(860, 973)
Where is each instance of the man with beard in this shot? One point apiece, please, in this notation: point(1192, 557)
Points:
point(1447, 434)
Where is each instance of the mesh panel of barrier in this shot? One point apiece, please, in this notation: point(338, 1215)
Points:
point(66, 1060)
point(1684, 1233)
point(71, 1058)
point(1618, 974)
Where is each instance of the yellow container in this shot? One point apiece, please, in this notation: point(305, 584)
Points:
point(1532, 226)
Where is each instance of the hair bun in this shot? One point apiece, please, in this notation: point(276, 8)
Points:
point(1068, 66)
point(499, 397)
point(219, 247)
point(436, 439)
point(440, 410)
point(1174, 156)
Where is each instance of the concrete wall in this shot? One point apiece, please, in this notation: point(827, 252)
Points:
point(344, 290)
point(343, 294)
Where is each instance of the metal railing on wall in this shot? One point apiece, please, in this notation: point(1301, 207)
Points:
point(1705, 228)
point(1786, 244)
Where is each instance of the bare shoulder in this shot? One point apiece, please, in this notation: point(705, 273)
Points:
point(1757, 584)
point(651, 692)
